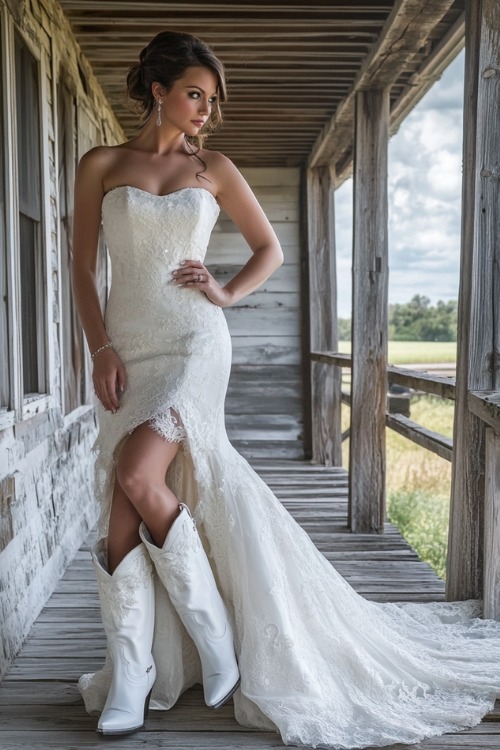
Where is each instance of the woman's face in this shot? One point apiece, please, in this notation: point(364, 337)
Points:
point(188, 104)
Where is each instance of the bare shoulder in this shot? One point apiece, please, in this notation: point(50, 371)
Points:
point(216, 161)
point(98, 160)
point(225, 173)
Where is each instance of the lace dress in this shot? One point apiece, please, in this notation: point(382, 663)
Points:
point(319, 664)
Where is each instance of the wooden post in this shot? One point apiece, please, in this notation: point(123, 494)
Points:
point(369, 313)
point(323, 333)
point(479, 299)
point(492, 527)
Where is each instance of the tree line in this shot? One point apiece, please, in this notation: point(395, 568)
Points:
point(416, 320)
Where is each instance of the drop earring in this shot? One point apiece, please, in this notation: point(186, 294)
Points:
point(158, 114)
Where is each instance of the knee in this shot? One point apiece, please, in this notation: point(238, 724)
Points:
point(134, 481)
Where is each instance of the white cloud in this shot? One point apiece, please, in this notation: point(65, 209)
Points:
point(425, 176)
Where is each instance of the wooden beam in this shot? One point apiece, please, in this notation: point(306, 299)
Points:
point(421, 381)
point(492, 527)
point(428, 439)
point(486, 405)
point(369, 313)
point(332, 358)
point(403, 34)
point(479, 298)
point(428, 73)
point(325, 380)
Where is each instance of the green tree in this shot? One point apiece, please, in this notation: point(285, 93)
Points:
point(418, 320)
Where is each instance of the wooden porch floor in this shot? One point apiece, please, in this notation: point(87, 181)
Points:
point(40, 706)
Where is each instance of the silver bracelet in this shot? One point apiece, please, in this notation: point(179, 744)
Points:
point(106, 346)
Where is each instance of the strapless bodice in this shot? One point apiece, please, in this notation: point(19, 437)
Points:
point(147, 237)
point(159, 230)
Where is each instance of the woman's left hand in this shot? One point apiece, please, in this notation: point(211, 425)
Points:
point(193, 275)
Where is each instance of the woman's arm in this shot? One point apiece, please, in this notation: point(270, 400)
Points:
point(108, 372)
point(238, 201)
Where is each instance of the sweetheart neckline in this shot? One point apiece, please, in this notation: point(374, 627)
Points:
point(165, 195)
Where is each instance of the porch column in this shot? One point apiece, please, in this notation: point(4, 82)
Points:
point(369, 313)
point(478, 364)
point(323, 333)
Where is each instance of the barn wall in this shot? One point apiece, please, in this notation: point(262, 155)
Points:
point(264, 413)
point(46, 499)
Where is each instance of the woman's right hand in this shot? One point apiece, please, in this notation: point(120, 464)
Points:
point(109, 379)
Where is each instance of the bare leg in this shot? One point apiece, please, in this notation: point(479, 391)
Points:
point(123, 533)
point(140, 493)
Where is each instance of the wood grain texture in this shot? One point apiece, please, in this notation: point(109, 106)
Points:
point(491, 592)
point(369, 313)
point(323, 329)
point(264, 405)
point(428, 439)
point(486, 406)
point(291, 64)
point(404, 32)
point(479, 298)
point(420, 381)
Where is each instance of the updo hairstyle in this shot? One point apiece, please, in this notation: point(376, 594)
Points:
point(165, 59)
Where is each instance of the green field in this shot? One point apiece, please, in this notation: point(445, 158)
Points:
point(415, 352)
point(418, 481)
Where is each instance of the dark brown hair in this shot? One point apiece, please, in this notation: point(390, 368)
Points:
point(165, 59)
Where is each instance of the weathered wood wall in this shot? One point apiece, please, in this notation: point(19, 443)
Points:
point(46, 497)
point(264, 399)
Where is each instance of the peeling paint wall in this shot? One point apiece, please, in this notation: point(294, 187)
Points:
point(46, 497)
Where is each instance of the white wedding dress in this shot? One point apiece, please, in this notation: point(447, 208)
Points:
point(319, 663)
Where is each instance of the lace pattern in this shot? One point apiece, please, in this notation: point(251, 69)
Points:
point(319, 663)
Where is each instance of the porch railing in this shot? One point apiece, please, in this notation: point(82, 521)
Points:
point(483, 404)
point(429, 384)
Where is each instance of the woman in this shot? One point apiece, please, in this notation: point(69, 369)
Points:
point(318, 663)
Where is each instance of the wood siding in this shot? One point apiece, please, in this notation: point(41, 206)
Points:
point(264, 399)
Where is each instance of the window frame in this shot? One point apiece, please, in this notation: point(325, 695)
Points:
point(23, 407)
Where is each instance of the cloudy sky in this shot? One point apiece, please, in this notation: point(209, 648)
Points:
point(425, 175)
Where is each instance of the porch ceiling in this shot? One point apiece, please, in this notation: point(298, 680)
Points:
point(289, 63)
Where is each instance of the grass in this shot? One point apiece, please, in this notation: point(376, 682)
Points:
point(415, 352)
point(418, 481)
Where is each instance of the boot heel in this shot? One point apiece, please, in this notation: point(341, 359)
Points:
point(146, 704)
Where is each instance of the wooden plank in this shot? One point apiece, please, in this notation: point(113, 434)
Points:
point(428, 439)
point(369, 314)
point(492, 526)
point(429, 72)
point(325, 405)
point(271, 349)
point(403, 34)
point(250, 449)
point(479, 298)
point(262, 426)
point(486, 406)
point(285, 280)
point(437, 385)
point(305, 320)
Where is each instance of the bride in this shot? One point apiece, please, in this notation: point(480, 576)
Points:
point(203, 576)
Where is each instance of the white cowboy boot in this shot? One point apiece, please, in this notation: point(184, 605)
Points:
point(128, 610)
point(185, 571)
